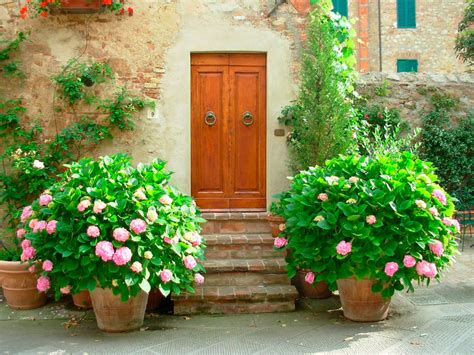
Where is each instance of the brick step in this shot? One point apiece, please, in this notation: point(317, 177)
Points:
point(235, 223)
point(241, 246)
point(268, 266)
point(245, 279)
point(236, 299)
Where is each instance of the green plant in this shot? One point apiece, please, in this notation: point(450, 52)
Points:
point(382, 217)
point(9, 47)
point(108, 224)
point(322, 114)
point(383, 90)
point(76, 77)
point(465, 38)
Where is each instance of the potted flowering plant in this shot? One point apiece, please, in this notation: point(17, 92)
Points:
point(371, 226)
point(45, 7)
point(277, 222)
point(117, 231)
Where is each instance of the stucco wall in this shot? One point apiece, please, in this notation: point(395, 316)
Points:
point(150, 53)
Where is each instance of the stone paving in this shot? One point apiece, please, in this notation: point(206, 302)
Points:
point(434, 320)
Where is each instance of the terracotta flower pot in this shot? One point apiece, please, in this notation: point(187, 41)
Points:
point(79, 6)
point(317, 290)
point(275, 222)
point(154, 299)
point(82, 299)
point(19, 286)
point(359, 303)
point(115, 316)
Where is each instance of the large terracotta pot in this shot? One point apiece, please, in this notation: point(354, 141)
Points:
point(79, 6)
point(115, 316)
point(19, 286)
point(275, 222)
point(359, 303)
point(154, 299)
point(317, 290)
point(82, 299)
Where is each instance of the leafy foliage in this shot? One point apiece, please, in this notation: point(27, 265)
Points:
point(465, 39)
point(386, 187)
point(321, 115)
point(127, 194)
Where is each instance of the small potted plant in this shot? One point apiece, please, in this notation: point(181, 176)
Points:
point(118, 232)
point(277, 222)
point(17, 277)
point(369, 226)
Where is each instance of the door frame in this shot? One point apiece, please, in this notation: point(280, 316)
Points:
point(234, 59)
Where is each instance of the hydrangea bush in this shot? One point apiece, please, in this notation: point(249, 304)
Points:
point(382, 218)
point(108, 224)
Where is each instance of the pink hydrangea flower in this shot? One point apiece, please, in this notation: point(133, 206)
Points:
point(121, 234)
point(165, 200)
point(47, 265)
point(440, 196)
point(138, 226)
point(447, 221)
point(136, 267)
point(198, 279)
point(99, 206)
point(20, 233)
point(26, 213)
point(189, 262)
point(436, 248)
point(344, 248)
point(32, 223)
point(371, 219)
point(353, 179)
point(32, 268)
point(151, 214)
point(28, 254)
point(420, 204)
point(122, 256)
point(456, 225)
point(280, 242)
point(25, 244)
point(65, 290)
point(309, 277)
point(433, 211)
point(166, 275)
point(424, 268)
point(93, 231)
point(193, 237)
point(44, 199)
point(391, 268)
point(83, 205)
point(40, 226)
point(169, 240)
point(139, 194)
point(323, 197)
point(104, 250)
point(51, 226)
point(43, 284)
point(409, 261)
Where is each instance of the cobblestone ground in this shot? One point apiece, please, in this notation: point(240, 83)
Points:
point(434, 320)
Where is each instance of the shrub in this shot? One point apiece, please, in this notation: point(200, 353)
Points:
point(110, 225)
point(356, 215)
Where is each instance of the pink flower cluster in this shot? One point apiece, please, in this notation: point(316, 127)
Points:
point(169, 240)
point(47, 265)
point(424, 268)
point(165, 200)
point(309, 277)
point(26, 213)
point(136, 267)
point(28, 252)
point(121, 234)
point(105, 250)
point(138, 226)
point(43, 284)
point(344, 248)
point(193, 237)
point(280, 242)
point(83, 205)
point(93, 231)
point(166, 275)
point(323, 197)
point(151, 214)
point(20, 233)
point(198, 279)
point(440, 196)
point(99, 206)
point(409, 261)
point(391, 268)
point(51, 227)
point(451, 222)
point(38, 225)
point(436, 248)
point(371, 219)
point(122, 256)
point(45, 199)
point(190, 262)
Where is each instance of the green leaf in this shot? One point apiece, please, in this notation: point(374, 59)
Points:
point(353, 218)
point(145, 286)
point(91, 285)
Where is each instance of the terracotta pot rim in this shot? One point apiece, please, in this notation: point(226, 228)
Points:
point(14, 266)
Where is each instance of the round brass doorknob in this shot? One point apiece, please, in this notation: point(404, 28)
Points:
point(247, 118)
point(210, 118)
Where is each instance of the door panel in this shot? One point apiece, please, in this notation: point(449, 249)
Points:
point(228, 157)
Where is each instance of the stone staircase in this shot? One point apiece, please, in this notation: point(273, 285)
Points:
point(244, 273)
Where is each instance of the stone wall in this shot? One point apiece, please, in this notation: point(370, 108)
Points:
point(410, 93)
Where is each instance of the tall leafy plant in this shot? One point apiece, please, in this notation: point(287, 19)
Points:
point(465, 38)
point(321, 115)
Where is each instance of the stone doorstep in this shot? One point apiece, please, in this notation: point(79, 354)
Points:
point(270, 266)
point(199, 307)
point(246, 279)
point(252, 252)
point(263, 293)
point(222, 239)
point(210, 216)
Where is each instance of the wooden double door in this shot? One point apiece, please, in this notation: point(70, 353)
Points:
point(228, 131)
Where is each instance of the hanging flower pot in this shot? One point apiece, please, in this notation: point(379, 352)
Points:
point(358, 301)
point(19, 286)
point(115, 316)
point(82, 300)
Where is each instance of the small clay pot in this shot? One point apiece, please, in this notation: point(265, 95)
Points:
point(19, 286)
point(115, 316)
point(154, 299)
point(359, 303)
point(82, 300)
point(317, 290)
point(275, 222)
